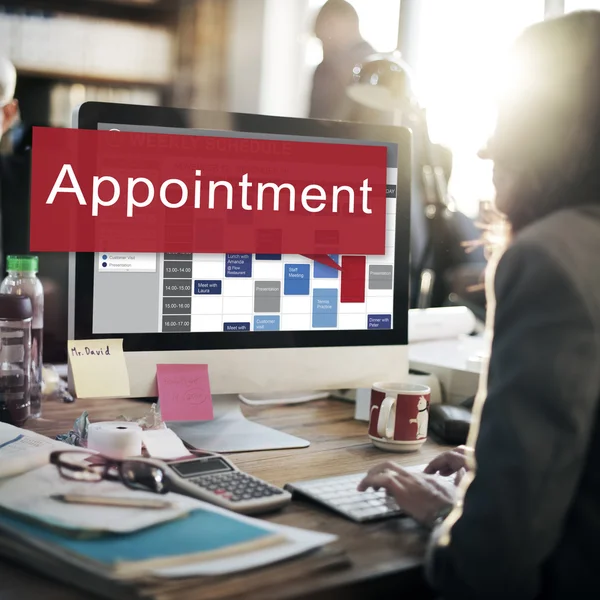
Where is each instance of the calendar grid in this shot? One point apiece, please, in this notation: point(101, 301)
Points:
point(270, 292)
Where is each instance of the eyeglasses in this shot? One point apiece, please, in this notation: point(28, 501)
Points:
point(137, 474)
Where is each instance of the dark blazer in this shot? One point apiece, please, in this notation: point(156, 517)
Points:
point(530, 523)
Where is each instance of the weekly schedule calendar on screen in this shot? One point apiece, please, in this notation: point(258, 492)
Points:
point(246, 292)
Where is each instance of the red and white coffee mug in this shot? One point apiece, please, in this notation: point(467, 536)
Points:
point(399, 416)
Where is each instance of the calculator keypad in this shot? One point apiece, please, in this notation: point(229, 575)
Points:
point(236, 486)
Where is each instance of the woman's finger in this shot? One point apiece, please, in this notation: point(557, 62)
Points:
point(459, 475)
point(443, 486)
point(387, 481)
point(381, 472)
point(384, 466)
point(435, 464)
point(446, 463)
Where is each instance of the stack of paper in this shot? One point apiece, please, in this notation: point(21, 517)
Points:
point(203, 535)
point(107, 548)
point(29, 495)
point(22, 450)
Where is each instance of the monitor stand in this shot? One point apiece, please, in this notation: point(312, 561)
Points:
point(231, 431)
point(277, 398)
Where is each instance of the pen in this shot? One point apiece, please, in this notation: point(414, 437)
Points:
point(108, 501)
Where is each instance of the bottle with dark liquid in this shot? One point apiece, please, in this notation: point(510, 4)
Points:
point(22, 280)
point(15, 358)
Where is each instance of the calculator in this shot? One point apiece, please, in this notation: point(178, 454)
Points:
point(215, 479)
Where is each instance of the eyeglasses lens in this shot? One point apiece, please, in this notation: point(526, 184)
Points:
point(143, 476)
point(81, 466)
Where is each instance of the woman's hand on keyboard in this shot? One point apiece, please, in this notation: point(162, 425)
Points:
point(420, 495)
point(449, 463)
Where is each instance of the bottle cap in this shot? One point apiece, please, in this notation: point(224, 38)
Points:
point(15, 308)
point(22, 263)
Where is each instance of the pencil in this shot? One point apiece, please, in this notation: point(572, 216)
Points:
point(109, 501)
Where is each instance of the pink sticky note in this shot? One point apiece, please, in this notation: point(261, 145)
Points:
point(184, 393)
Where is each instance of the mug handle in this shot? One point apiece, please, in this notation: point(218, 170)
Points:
point(385, 425)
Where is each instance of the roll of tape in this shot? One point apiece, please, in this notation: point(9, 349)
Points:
point(115, 439)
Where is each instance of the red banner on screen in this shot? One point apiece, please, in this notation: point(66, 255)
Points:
point(147, 192)
point(354, 273)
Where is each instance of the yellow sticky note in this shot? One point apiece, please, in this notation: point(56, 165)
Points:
point(98, 368)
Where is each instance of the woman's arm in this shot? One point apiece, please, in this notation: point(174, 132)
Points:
point(543, 389)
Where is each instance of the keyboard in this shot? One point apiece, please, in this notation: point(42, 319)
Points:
point(340, 494)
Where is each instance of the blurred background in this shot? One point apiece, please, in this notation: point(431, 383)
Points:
point(266, 57)
point(258, 56)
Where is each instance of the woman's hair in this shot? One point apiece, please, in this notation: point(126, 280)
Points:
point(547, 137)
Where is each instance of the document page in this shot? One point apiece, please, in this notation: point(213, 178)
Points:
point(22, 450)
point(31, 494)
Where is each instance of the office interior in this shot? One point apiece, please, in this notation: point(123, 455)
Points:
point(259, 57)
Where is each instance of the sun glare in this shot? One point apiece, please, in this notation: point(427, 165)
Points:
point(460, 51)
point(572, 5)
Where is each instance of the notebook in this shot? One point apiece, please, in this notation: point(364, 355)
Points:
point(202, 535)
point(29, 496)
point(22, 450)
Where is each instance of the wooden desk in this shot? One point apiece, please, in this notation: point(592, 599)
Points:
point(368, 558)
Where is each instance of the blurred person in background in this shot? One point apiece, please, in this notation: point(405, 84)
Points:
point(524, 521)
point(14, 170)
point(436, 244)
point(10, 166)
point(15, 176)
point(337, 27)
point(9, 114)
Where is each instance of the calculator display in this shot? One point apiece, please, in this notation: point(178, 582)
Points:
point(200, 467)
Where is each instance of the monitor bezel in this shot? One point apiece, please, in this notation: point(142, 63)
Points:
point(91, 114)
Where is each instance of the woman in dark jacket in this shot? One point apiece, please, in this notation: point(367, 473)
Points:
point(524, 523)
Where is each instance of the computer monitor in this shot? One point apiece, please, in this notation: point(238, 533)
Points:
point(277, 344)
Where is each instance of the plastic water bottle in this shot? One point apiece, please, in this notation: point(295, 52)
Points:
point(22, 280)
point(15, 359)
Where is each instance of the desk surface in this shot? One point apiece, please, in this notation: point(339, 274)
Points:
point(366, 557)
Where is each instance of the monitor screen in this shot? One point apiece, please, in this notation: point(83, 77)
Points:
point(193, 302)
point(183, 293)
